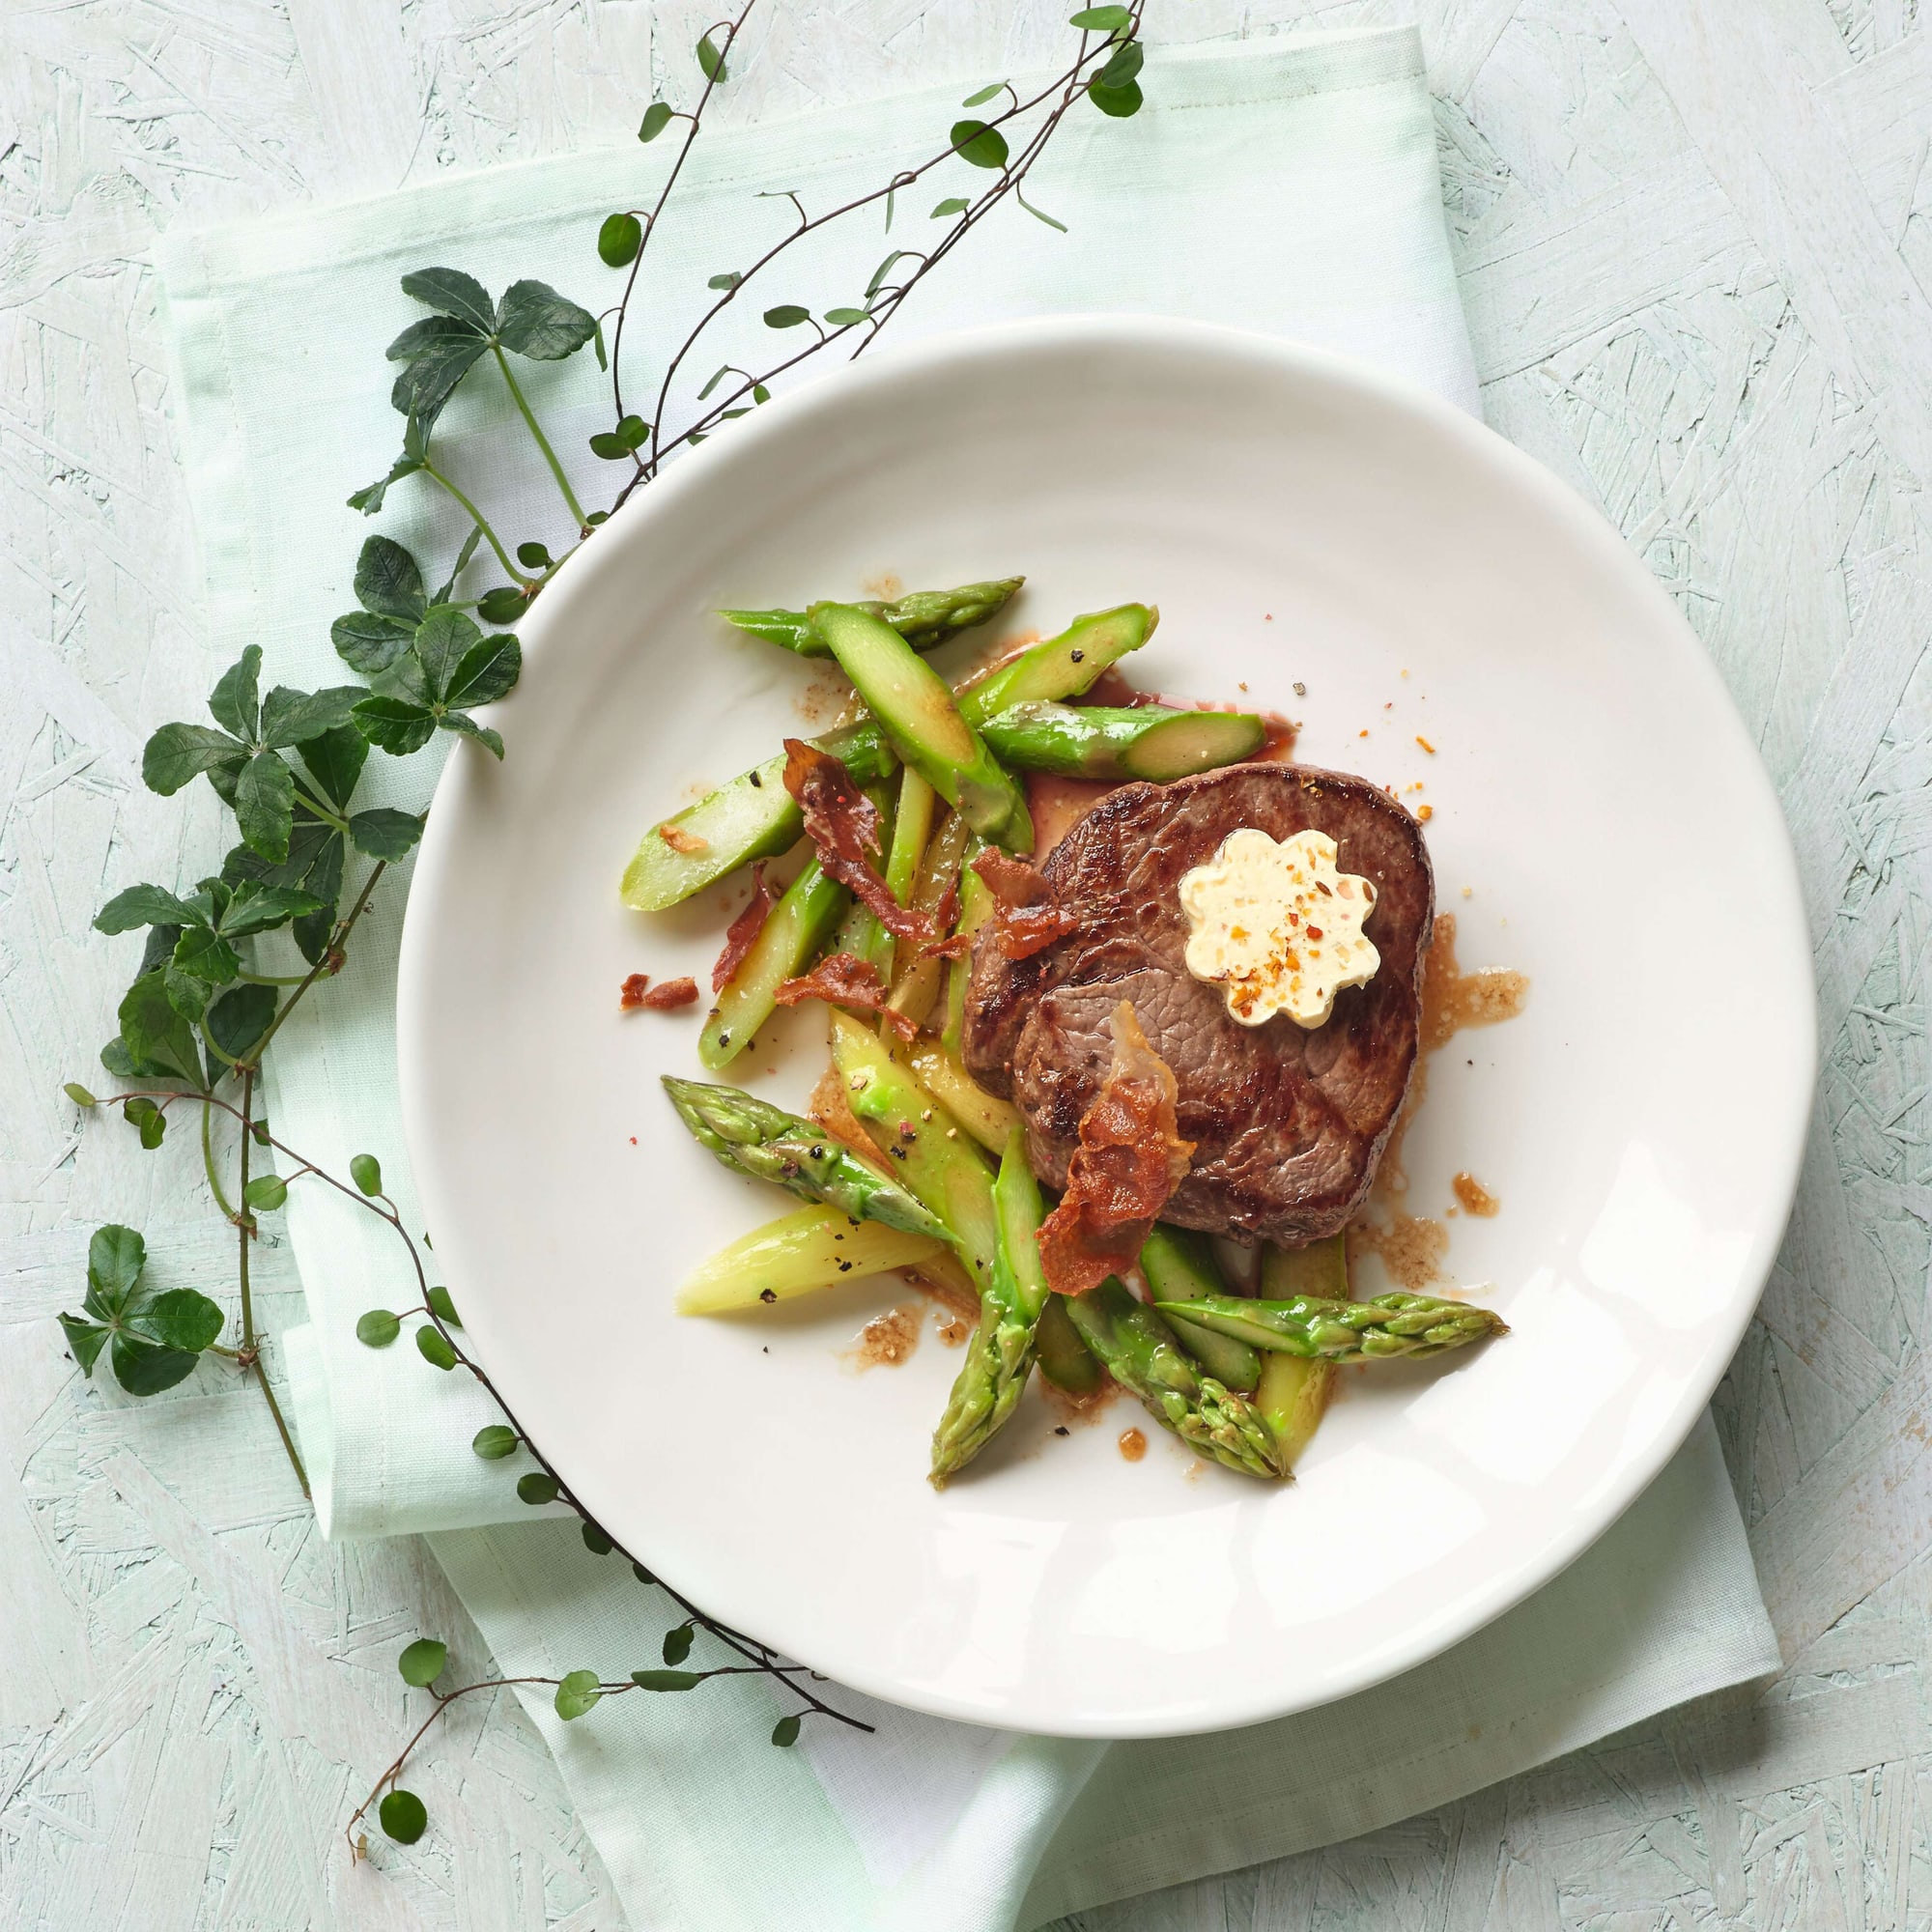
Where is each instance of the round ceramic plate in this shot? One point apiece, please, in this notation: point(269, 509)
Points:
point(1321, 541)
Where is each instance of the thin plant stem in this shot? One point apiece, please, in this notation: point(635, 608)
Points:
point(249, 1354)
point(221, 1200)
point(483, 524)
point(336, 939)
point(542, 441)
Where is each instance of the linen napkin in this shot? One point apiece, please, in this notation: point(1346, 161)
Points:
point(1291, 185)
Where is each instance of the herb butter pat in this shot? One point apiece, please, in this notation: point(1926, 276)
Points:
point(1278, 925)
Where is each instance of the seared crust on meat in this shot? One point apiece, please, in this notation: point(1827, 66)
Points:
point(1289, 1123)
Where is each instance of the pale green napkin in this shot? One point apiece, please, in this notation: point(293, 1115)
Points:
point(1287, 186)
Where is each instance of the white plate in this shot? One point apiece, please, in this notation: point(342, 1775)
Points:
point(1297, 517)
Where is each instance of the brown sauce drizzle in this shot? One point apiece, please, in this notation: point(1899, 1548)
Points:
point(1475, 1198)
point(1133, 1444)
point(1412, 1248)
point(887, 1340)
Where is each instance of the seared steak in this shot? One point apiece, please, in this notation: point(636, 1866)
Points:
point(1287, 1123)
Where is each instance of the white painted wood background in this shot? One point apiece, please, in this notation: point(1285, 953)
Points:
point(1696, 245)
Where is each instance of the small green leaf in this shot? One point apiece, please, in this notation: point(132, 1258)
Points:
point(842, 318)
point(718, 375)
point(177, 753)
point(403, 1817)
point(634, 431)
point(206, 957)
point(493, 1442)
point(433, 1345)
point(667, 1680)
point(785, 1733)
point(369, 498)
point(116, 1257)
point(642, 1574)
point(366, 1172)
point(181, 1319)
point(1120, 102)
point(85, 1340)
point(576, 1695)
point(395, 724)
point(619, 239)
point(265, 1193)
point(786, 315)
point(148, 1120)
point(730, 279)
point(533, 556)
point(79, 1094)
point(378, 1328)
point(188, 994)
point(677, 1644)
point(290, 717)
point(388, 580)
point(444, 636)
point(505, 605)
point(1122, 68)
point(461, 564)
point(451, 292)
point(233, 701)
point(983, 146)
point(984, 95)
point(141, 1368)
point(144, 905)
point(537, 1487)
point(240, 1017)
point(385, 833)
point(533, 320)
point(1101, 20)
point(759, 393)
point(613, 448)
point(444, 1308)
point(461, 721)
point(370, 642)
point(595, 1541)
point(711, 61)
point(335, 763)
point(423, 1662)
point(951, 204)
point(155, 1034)
point(264, 802)
point(445, 354)
point(258, 908)
point(884, 270)
point(657, 117)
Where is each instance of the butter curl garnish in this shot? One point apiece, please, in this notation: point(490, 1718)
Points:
point(1278, 925)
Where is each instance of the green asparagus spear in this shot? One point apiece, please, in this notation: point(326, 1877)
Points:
point(1065, 1359)
point(934, 1157)
point(1139, 1350)
point(751, 817)
point(807, 911)
point(1000, 1356)
point(923, 618)
point(1180, 1266)
point(768, 1144)
point(914, 704)
point(1293, 1391)
point(1342, 1331)
point(977, 906)
point(1097, 741)
point(815, 1248)
point(1062, 666)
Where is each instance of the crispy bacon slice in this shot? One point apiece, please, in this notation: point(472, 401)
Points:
point(669, 993)
point(957, 947)
point(742, 934)
point(631, 992)
point(1029, 919)
point(1130, 1158)
point(843, 824)
point(846, 980)
point(681, 840)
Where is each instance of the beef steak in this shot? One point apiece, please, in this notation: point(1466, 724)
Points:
point(1288, 1123)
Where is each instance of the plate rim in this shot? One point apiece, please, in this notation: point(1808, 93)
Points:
point(548, 624)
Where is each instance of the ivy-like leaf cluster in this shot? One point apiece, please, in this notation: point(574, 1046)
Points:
point(153, 1341)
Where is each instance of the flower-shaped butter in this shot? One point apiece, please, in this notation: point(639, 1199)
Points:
point(1278, 925)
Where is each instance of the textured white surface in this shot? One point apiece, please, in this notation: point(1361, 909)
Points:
point(1698, 274)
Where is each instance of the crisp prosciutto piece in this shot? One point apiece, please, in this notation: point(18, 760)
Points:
point(1029, 919)
point(1130, 1158)
point(843, 824)
point(742, 934)
point(846, 980)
